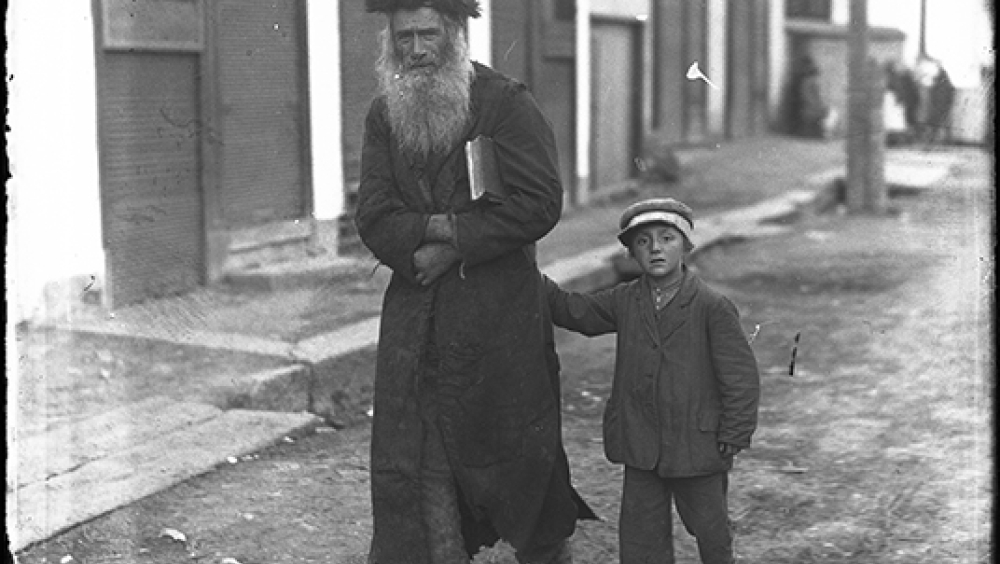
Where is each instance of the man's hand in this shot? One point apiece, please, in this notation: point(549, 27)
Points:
point(728, 451)
point(439, 229)
point(431, 260)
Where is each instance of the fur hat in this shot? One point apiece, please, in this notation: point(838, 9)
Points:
point(655, 210)
point(458, 9)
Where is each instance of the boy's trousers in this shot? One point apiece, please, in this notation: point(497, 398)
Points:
point(645, 529)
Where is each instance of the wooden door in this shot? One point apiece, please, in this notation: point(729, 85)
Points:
point(616, 94)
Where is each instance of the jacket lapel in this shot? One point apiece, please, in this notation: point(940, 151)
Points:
point(647, 309)
point(677, 312)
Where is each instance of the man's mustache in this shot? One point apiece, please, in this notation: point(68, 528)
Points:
point(424, 66)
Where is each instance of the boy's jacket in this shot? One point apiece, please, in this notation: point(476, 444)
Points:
point(681, 385)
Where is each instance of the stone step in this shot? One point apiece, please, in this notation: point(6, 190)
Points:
point(62, 449)
point(42, 509)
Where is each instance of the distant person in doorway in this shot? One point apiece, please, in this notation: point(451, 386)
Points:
point(904, 91)
point(811, 115)
point(939, 97)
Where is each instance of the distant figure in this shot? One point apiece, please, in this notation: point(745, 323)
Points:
point(940, 96)
point(903, 87)
point(810, 115)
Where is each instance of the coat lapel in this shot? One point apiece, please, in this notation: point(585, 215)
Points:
point(413, 186)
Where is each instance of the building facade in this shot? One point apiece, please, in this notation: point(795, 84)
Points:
point(160, 144)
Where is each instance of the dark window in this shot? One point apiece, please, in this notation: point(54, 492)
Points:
point(809, 9)
point(565, 10)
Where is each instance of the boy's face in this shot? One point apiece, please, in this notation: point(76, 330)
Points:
point(659, 250)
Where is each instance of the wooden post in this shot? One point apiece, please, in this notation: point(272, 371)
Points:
point(876, 193)
point(865, 131)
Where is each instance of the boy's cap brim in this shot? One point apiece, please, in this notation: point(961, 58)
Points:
point(647, 218)
point(656, 210)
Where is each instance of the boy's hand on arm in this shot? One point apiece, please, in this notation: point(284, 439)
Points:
point(431, 260)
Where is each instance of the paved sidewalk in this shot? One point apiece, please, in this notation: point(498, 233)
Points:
point(327, 333)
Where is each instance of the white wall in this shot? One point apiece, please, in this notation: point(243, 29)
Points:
point(323, 19)
point(620, 8)
point(716, 65)
point(777, 59)
point(480, 37)
point(55, 190)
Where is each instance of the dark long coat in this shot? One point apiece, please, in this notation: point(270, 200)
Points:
point(685, 379)
point(500, 419)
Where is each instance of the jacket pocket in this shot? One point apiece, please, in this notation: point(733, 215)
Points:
point(706, 457)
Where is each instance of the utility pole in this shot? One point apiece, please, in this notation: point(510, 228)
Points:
point(922, 41)
point(866, 189)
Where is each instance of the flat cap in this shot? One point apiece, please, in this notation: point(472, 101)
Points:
point(656, 210)
point(457, 9)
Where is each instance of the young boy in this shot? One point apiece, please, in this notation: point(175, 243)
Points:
point(684, 398)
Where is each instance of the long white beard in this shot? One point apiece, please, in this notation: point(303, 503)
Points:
point(428, 107)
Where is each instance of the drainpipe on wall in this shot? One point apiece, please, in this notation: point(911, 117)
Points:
point(583, 103)
point(327, 161)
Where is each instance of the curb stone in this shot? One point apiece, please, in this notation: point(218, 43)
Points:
point(285, 388)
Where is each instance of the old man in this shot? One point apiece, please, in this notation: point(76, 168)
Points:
point(466, 441)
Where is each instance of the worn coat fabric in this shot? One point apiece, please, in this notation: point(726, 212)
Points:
point(685, 379)
point(497, 370)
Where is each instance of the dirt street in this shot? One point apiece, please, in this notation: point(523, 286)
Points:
point(875, 448)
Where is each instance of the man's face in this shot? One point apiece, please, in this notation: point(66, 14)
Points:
point(659, 250)
point(419, 38)
point(425, 75)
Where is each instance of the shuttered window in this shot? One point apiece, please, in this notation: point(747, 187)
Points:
point(261, 74)
point(150, 173)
